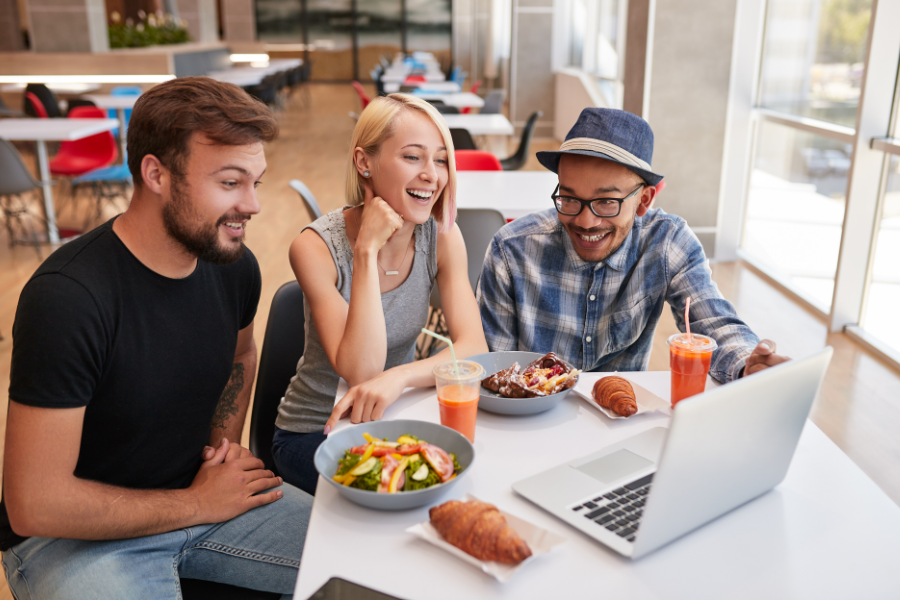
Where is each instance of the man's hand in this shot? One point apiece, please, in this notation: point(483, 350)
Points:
point(225, 488)
point(763, 357)
point(368, 401)
point(234, 451)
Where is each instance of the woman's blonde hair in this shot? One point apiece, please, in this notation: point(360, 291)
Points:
point(378, 123)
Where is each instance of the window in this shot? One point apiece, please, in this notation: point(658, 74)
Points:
point(596, 43)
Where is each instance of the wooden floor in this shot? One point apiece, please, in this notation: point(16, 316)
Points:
point(859, 408)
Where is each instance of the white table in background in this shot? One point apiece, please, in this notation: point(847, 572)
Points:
point(42, 131)
point(496, 128)
point(57, 88)
point(391, 76)
point(514, 193)
point(250, 75)
point(120, 104)
point(826, 532)
point(444, 87)
point(459, 100)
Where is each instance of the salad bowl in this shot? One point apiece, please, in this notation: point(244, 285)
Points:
point(332, 450)
point(494, 362)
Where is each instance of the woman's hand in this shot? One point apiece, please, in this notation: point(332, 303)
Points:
point(368, 400)
point(378, 224)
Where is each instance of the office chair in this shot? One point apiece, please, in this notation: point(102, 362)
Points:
point(476, 160)
point(518, 160)
point(282, 348)
point(15, 180)
point(308, 199)
point(493, 102)
point(47, 99)
point(462, 139)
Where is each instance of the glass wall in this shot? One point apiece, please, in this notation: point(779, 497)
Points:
point(795, 209)
point(596, 43)
point(813, 58)
point(349, 36)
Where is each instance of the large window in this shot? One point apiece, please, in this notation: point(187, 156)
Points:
point(597, 45)
point(822, 206)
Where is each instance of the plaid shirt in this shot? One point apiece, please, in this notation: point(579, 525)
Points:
point(536, 294)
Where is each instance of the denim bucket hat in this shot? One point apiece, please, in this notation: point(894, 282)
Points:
point(615, 135)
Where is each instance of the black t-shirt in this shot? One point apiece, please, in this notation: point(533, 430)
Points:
point(147, 355)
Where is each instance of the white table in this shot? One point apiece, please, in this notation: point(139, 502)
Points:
point(251, 75)
point(42, 131)
point(459, 100)
point(120, 104)
point(496, 127)
point(446, 87)
point(826, 532)
point(58, 88)
point(400, 75)
point(513, 193)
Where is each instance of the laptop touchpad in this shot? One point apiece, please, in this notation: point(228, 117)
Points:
point(614, 466)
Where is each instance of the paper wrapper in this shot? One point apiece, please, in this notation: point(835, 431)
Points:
point(646, 400)
point(539, 540)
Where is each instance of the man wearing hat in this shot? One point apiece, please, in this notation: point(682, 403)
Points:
point(588, 278)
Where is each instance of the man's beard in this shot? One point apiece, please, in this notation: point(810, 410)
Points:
point(203, 241)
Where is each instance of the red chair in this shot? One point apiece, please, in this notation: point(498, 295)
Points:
point(474, 90)
point(36, 105)
point(476, 160)
point(413, 79)
point(362, 93)
point(93, 152)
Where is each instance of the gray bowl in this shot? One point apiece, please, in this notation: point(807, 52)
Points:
point(332, 450)
point(495, 403)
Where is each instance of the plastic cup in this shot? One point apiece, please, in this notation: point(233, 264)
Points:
point(458, 393)
point(689, 360)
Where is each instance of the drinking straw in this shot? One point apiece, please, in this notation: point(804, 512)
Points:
point(687, 322)
point(449, 343)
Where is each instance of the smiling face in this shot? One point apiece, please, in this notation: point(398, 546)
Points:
point(411, 169)
point(210, 204)
point(587, 178)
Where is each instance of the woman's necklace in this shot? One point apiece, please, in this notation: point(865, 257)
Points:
point(386, 272)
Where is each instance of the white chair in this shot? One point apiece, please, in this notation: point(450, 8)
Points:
point(308, 199)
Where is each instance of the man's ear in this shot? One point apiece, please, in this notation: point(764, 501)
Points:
point(647, 198)
point(155, 176)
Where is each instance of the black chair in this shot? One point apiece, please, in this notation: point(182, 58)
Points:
point(265, 91)
point(195, 589)
point(447, 110)
point(47, 98)
point(282, 348)
point(518, 160)
point(76, 102)
point(462, 139)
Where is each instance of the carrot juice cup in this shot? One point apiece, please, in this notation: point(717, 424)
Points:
point(457, 393)
point(689, 358)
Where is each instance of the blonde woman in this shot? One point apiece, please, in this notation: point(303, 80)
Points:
point(367, 271)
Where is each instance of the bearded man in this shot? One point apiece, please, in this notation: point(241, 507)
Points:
point(133, 359)
point(588, 278)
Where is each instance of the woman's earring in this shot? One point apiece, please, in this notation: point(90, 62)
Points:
point(365, 173)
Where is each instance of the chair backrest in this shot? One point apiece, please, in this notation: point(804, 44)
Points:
point(46, 97)
point(493, 102)
point(281, 350)
point(414, 79)
point(362, 93)
point(477, 160)
point(462, 139)
point(308, 199)
point(518, 160)
point(478, 227)
point(101, 147)
point(34, 107)
point(446, 110)
point(77, 102)
point(15, 178)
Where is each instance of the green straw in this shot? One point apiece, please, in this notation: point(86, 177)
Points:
point(449, 343)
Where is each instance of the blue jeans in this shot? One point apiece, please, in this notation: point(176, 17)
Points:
point(259, 550)
point(293, 454)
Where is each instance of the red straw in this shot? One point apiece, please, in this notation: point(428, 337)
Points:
point(687, 323)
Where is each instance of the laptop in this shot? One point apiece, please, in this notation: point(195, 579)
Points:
point(723, 448)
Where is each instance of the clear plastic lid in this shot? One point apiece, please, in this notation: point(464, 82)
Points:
point(467, 370)
point(697, 343)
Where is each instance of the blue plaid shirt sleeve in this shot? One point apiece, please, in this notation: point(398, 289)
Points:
point(496, 300)
point(711, 315)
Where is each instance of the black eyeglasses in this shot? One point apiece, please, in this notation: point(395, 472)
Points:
point(601, 207)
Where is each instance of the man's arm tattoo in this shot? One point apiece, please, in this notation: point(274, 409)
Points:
point(228, 406)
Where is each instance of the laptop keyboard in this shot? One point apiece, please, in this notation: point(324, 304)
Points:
point(620, 510)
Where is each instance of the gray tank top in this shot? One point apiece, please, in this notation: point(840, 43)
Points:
point(309, 399)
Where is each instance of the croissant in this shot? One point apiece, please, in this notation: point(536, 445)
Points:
point(615, 394)
point(478, 529)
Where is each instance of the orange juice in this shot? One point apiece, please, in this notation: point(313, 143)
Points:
point(458, 388)
point(459, 407)
point(689, 361)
